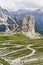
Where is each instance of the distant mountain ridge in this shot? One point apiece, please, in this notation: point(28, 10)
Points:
point(38, 14)
point(12, 20)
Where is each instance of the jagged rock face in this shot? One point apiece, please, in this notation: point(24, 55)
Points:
point(28, 26)
point(7, 20)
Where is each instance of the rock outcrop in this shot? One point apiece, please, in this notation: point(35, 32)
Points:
point(28, 26)
point(7, 20)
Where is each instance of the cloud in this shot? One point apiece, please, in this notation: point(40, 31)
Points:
point(7, 4)
point(20, 4)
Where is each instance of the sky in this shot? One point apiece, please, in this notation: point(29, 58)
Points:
point(21, 4)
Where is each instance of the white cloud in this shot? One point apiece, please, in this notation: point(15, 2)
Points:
point(16, 4)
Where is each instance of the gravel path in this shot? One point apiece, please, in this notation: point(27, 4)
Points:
point(18, 60)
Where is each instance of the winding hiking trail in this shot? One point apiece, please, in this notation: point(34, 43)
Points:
point(18, 60)
point(12, 52)
point(32, 53)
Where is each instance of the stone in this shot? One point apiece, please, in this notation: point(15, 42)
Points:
point(28, 26)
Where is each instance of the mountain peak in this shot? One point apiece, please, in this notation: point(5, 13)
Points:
point(40, 10)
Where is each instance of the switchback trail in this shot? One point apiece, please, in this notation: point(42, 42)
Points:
point(18, 60)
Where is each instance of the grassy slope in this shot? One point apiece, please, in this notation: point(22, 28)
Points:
point(19, 39)
point(29, 41)
point(19, 54)
point(4, 62)
point(35, 63)
point(18, 36)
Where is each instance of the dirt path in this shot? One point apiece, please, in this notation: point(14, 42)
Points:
point(12, 52)
point(18, 60)
point(32, 53)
